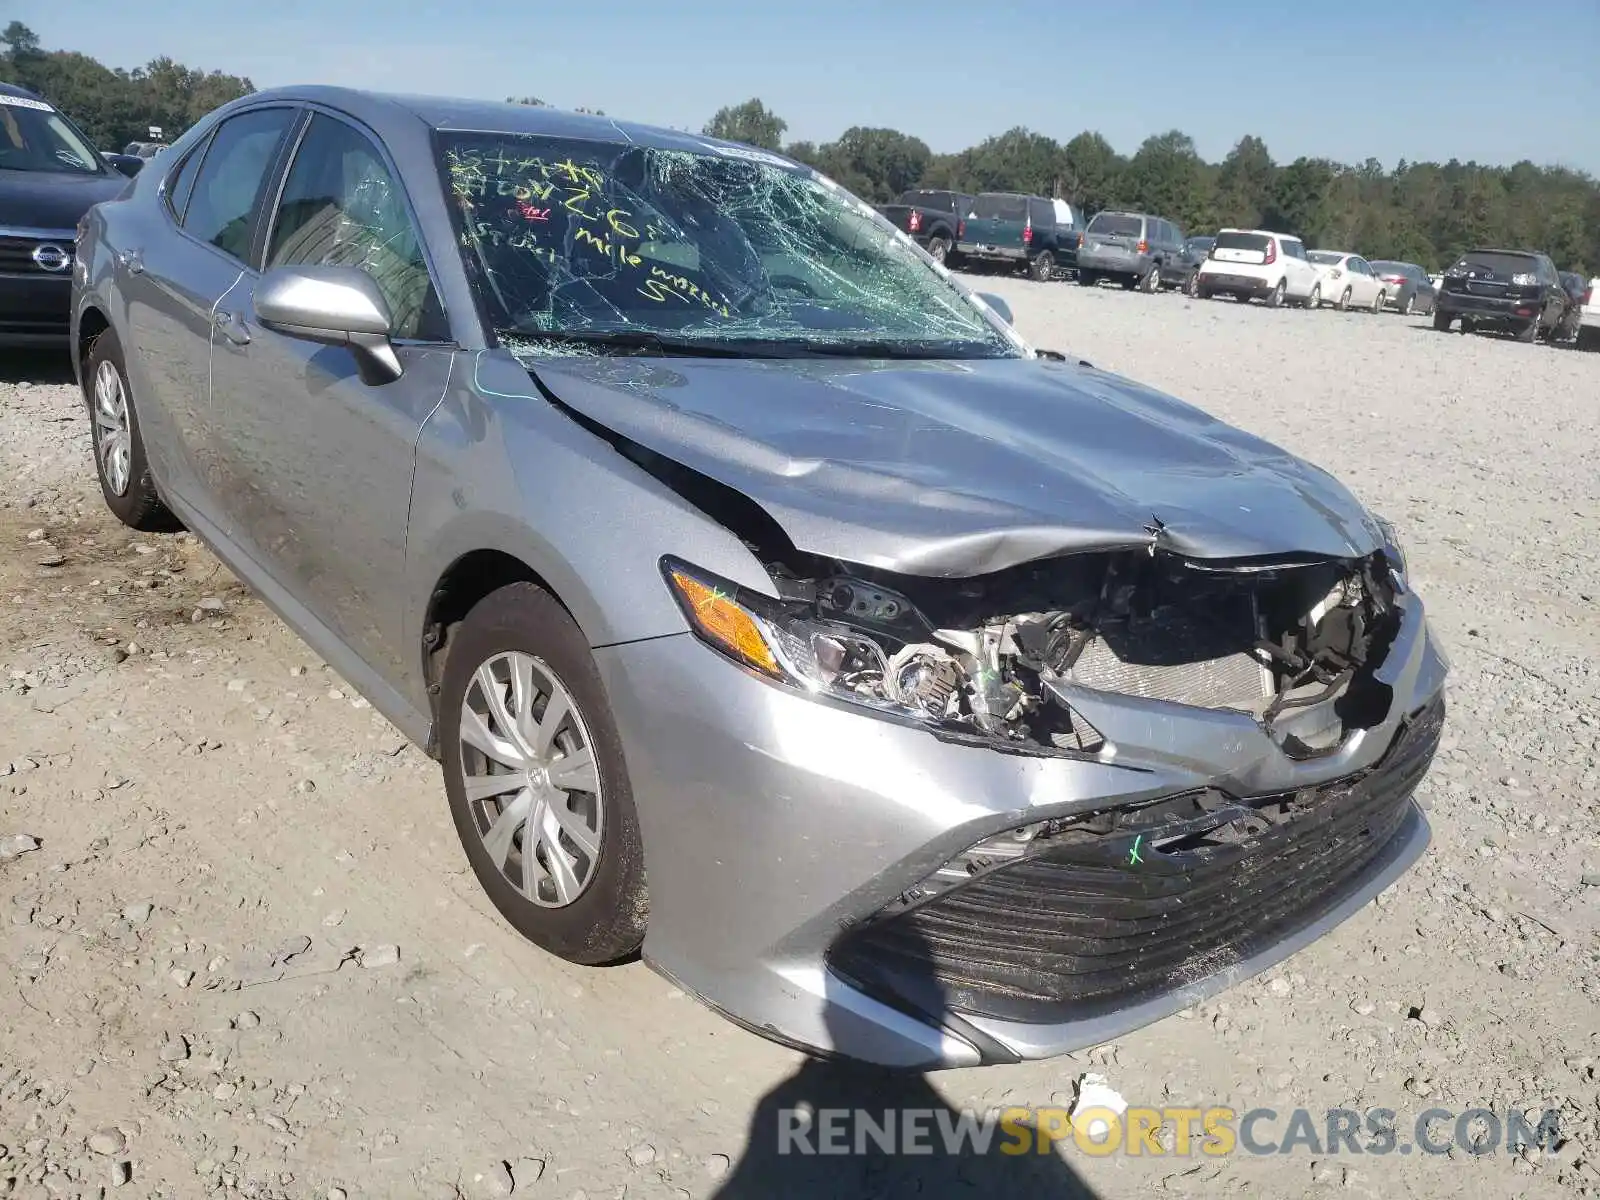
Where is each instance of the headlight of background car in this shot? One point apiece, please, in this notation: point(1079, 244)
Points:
point(817, 657)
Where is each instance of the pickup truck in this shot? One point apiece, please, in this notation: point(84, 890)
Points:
point(930, 218)
point(1017, 231)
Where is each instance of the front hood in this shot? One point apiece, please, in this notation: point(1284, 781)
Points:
point(959, 468)
point(53, 200)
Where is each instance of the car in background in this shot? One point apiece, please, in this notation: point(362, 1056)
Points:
point(930, 218)
point(993, 652)
point(1136, 249)
point(1578, 293)
point(1348, 281)
point(1195, 250)
point(1259, 264)
point(50, 175)
point(1019, 231)
point(1511, 291)
point(1409, 287)
point(1589, 318)
point(144, 149)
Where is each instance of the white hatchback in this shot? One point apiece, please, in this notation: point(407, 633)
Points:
point(1348, 280)
point(1258, 264)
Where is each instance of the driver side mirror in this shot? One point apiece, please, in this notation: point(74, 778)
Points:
point(337, 306)
point(1000, 307)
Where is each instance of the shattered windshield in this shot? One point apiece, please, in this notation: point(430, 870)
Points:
point(588, 246)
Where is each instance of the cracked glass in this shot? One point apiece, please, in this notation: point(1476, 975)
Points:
point(583, 245)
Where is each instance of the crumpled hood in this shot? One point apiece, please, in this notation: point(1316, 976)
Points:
point(957, 468)
point(53, 199)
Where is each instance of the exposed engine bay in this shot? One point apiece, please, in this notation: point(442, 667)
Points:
point(976, 656)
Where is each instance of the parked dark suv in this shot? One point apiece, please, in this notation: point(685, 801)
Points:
point(1516, 291)
point(50, 175)
point(930, 217)
point(1138, 249)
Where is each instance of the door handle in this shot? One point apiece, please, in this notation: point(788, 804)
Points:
point(131, 261)
point(232, 327)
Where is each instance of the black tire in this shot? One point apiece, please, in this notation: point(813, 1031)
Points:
point(939, 247)
point(1342, 304)
point(1191, 286)
point(1203, 293)
point(1529, 332)
point(1406, 304)
point(1588, 337)
point(1043, 266)
point(606, 921)
point(1275, 297)
point(1152, 280)
point(1088, 278)
point(1441, 321)
point(138, 505)
point(1378, 302)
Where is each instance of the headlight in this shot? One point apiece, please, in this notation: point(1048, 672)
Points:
point(1524, 279)
point(817, 657)
point(1393, 551)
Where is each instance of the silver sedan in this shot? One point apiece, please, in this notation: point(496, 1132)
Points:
point(771, 605)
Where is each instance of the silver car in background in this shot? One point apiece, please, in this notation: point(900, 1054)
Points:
point(769, 603)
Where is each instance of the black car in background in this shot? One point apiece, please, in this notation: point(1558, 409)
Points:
point(50, 175)
point(1514, 291)
point(1408, 288)
point(930, 217)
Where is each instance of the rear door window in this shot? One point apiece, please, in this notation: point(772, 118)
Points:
point(181, 183)
point(227, 188)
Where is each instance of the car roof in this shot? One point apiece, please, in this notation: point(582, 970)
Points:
point(465, 115)
point(11, 89)
point(1273, 233)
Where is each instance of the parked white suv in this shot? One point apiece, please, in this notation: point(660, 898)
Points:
point(1252, 264)
point(1589, 322)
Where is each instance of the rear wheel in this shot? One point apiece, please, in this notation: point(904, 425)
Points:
point(1441, 321)
point(1191, 286)
point(1405, 304)
point(1088, 278)
point(537, 784)
point(1378, 302)
point(1152, 280)
point(1043, 266)
point(1529, 332)
point(1275, 297)
point(940, 249)
point(1314, 301)
point(119, 455)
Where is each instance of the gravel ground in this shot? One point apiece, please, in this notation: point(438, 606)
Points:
point(247, 956)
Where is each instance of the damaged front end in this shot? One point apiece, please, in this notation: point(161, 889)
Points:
point(994, 659)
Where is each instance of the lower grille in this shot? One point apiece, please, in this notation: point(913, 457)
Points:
point(1134, 903)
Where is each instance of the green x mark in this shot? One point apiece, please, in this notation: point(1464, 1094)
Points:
point(1133, 854)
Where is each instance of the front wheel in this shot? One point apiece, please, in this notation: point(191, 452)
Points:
point(1043, 266)
point(1314, 301)
point(1405, 305)
point(537, 784)
point(1191, 286)
point(1529, 332)
point(1343, 302)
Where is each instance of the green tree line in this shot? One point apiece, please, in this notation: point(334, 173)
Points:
point(1419, 212)
point(1425, 212)
point(114, 106)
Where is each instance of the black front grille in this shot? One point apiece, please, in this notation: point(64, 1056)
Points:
point(16, 255)
point(1134, 903)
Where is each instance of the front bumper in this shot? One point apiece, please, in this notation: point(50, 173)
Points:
point(35, 310)
point(775, 826)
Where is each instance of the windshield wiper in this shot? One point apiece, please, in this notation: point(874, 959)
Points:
point(888, 349)
point(639, 341)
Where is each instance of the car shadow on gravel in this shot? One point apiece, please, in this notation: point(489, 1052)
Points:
point(874, 1111)
point(35, 366)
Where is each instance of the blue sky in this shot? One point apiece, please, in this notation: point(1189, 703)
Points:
point(1388, 79)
